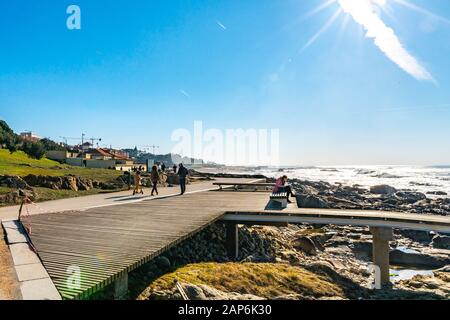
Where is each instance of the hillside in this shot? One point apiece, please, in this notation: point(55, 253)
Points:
point(19, 164)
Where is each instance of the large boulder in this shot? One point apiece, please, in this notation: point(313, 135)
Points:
point(54, 183)
point(416, 235)
point(84, 184)
point(441, 242)
point(408, 259)
point(204, 292)
point(70, 183)
point(410, 197)
point(310, 201)
point(383, 189)
point(17, 196)
point(13, 182)
point(305, 244)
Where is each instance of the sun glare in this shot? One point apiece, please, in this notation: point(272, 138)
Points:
point(368, 14)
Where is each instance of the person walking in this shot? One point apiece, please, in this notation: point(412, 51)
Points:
point(174, 168)
point(182, 174)
point(154, 176)
point(137, 183)
point(128, 177)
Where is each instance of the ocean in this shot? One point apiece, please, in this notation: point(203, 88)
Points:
point(414, 178)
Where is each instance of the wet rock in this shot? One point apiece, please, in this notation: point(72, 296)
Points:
point(401, 258)
point(437, 193)
point(410, 197)
point(441, 242)
point(310, 201)
point(382, 189)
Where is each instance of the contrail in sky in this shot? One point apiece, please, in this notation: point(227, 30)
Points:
point(364, 13)
point(220, 24)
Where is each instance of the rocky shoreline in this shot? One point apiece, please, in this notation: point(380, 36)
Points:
point(341, 253)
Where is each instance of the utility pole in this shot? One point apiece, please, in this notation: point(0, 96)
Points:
point(95, 139)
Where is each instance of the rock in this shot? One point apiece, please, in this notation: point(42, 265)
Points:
point(441, 242)
point(398, 257)
point(410, 197)
point(30, 194)
point(382, 189)
point(204, 292)
point(163, 262)
point(50, 182)
point(305, 244)
point(108, 186)
point(193, 292)
point(310, 201)
point(437, 193)
point(84, 184)
point(70, 183)
point(13, 182)
point(416, 235)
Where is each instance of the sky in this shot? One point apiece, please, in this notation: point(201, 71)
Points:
point(346, 82)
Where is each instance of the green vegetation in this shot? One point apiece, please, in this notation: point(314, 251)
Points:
point(19, 164)
point(265, 280)
point(14, 143)
point(45, 194)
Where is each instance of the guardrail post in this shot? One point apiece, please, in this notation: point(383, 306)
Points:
point(380, 251)
point(121, 287)
point(232, 240)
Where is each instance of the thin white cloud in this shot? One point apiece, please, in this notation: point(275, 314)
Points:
point(364, 13)
point(184, 93)
point(220, 24)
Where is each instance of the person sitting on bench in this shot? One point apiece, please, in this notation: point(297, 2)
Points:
point(282, 186)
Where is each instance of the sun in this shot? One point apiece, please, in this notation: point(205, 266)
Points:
point(383, 5)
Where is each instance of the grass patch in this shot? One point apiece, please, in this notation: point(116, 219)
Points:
point(45, 194)
point(19, 164)
point(261, 279)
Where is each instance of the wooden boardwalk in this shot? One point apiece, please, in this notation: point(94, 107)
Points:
point(106, 243)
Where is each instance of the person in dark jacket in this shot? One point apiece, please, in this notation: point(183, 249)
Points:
point(174, 168)
point(154, 176)
point(182, 173)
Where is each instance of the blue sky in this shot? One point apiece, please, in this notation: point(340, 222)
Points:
point(137, 70)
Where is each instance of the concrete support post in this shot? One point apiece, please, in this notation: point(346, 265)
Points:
point(380, 252)
point(121, 287)
point(232, 241)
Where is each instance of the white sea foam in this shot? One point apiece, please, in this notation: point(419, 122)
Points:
point(422, 179)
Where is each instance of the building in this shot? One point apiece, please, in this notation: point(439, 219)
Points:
point(30, 136)
point(100, 158)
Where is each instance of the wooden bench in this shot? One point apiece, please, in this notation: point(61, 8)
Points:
point(280, 197)
point(236, 185)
